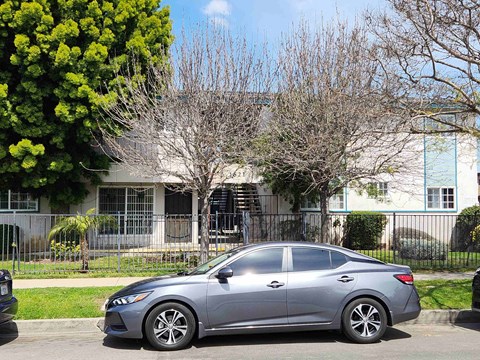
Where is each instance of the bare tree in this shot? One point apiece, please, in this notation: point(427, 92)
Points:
point(332, 122)
point(185, 123)
point(432, 48)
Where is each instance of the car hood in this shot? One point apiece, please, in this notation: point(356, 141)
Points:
point(151, 283)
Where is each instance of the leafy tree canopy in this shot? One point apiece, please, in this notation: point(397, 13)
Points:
point(56, 57)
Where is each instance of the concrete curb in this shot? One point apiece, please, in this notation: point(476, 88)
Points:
point(78, 326)
point(49, 327)
point(428, 317)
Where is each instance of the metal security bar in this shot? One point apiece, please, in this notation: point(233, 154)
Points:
point(147, 242)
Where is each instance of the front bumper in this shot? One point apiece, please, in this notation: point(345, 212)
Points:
point(8, 309)
point(124, 321)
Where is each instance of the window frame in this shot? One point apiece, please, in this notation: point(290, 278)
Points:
point(142, 221)
point(31, 200)
point(445, 196)
point(381, 190)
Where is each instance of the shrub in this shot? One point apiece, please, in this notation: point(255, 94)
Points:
point(6, 238)
point(363, 229)
point(65, 251)
point(420, 249)
point(402, 233)
point(467, 221)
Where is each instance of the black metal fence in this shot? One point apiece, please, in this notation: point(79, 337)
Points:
point(134, 243)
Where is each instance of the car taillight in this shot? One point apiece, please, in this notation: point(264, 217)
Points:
point(405, 278)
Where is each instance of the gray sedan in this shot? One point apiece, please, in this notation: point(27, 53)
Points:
point(271, 287)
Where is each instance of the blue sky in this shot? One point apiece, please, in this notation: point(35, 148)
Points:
point(261, 19)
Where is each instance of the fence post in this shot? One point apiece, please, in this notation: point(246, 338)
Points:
point(394, 237)
point(246, 226)
point(118, 241)
point(216, 233)
point(14, 245)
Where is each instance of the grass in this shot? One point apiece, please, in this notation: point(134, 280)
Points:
point(445, 294)
point(58, 303)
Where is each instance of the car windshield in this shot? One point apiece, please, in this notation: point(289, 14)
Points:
point(202, 269)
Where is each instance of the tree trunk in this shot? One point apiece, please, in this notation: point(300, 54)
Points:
point(84, 250)
point(325, 223)
point(204, 230)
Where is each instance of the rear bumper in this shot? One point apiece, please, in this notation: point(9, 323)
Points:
point(8, 310)
point(411, 310)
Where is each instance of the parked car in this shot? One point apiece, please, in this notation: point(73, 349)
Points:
point(8, 302)
point(476, 291)
point(271, 287)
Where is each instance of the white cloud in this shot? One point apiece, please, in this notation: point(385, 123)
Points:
point(217, 7)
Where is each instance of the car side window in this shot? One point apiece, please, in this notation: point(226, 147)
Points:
point(305, 259)
point(259, 262)
point(338, 259)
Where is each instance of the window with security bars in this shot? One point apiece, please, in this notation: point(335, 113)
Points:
point(17, 201)
point(134, 205)
point(440, 198)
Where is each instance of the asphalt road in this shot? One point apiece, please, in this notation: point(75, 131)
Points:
point(402, 342)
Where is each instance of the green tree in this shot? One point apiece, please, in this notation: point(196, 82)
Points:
point(57, 58)
point(80, 225)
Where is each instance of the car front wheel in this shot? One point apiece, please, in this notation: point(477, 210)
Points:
point(364, 321)
point(170, 326)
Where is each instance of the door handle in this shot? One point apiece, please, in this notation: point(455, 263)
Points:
point(275, 284)
point(346, 279)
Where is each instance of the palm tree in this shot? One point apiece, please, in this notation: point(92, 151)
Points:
point(81, 224)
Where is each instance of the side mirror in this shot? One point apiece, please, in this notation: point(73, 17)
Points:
point(225, 273)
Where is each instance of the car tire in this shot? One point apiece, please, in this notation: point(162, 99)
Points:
point(170, 326)
point(364, 321)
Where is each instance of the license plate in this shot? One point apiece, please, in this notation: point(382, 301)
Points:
point(4, 289)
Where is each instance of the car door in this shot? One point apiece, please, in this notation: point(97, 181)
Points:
point(255, 295)
point(318, 282)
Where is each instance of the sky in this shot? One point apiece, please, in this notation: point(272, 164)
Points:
point(262, 19)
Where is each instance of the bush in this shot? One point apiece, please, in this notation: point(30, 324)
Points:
point(6, 238)
point(467, 221)
point(420, 249)
point(403, 233)
point(65, 251)
point(363, 229)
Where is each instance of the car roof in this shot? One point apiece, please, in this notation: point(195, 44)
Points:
point(345, 251)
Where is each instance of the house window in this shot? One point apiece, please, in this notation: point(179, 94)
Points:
point(377, 190)
point(17, 201)
point(337, 201)
point(135, 204)
point(440, 198)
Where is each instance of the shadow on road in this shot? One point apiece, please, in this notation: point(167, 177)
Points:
point(391, 334)
point(8, 333)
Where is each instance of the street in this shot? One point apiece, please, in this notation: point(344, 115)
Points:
point(401, 342)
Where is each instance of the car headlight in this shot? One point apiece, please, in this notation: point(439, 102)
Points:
point(130, 299)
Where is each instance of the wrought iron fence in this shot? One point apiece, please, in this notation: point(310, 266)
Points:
point(171, 242)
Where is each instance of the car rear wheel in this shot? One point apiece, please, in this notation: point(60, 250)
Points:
point(364, 321)
point(170, 326)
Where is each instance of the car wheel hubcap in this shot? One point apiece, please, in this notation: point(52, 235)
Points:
point(365, 320)
point(170, 327)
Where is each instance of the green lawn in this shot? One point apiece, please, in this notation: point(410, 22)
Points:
point(58, 303)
